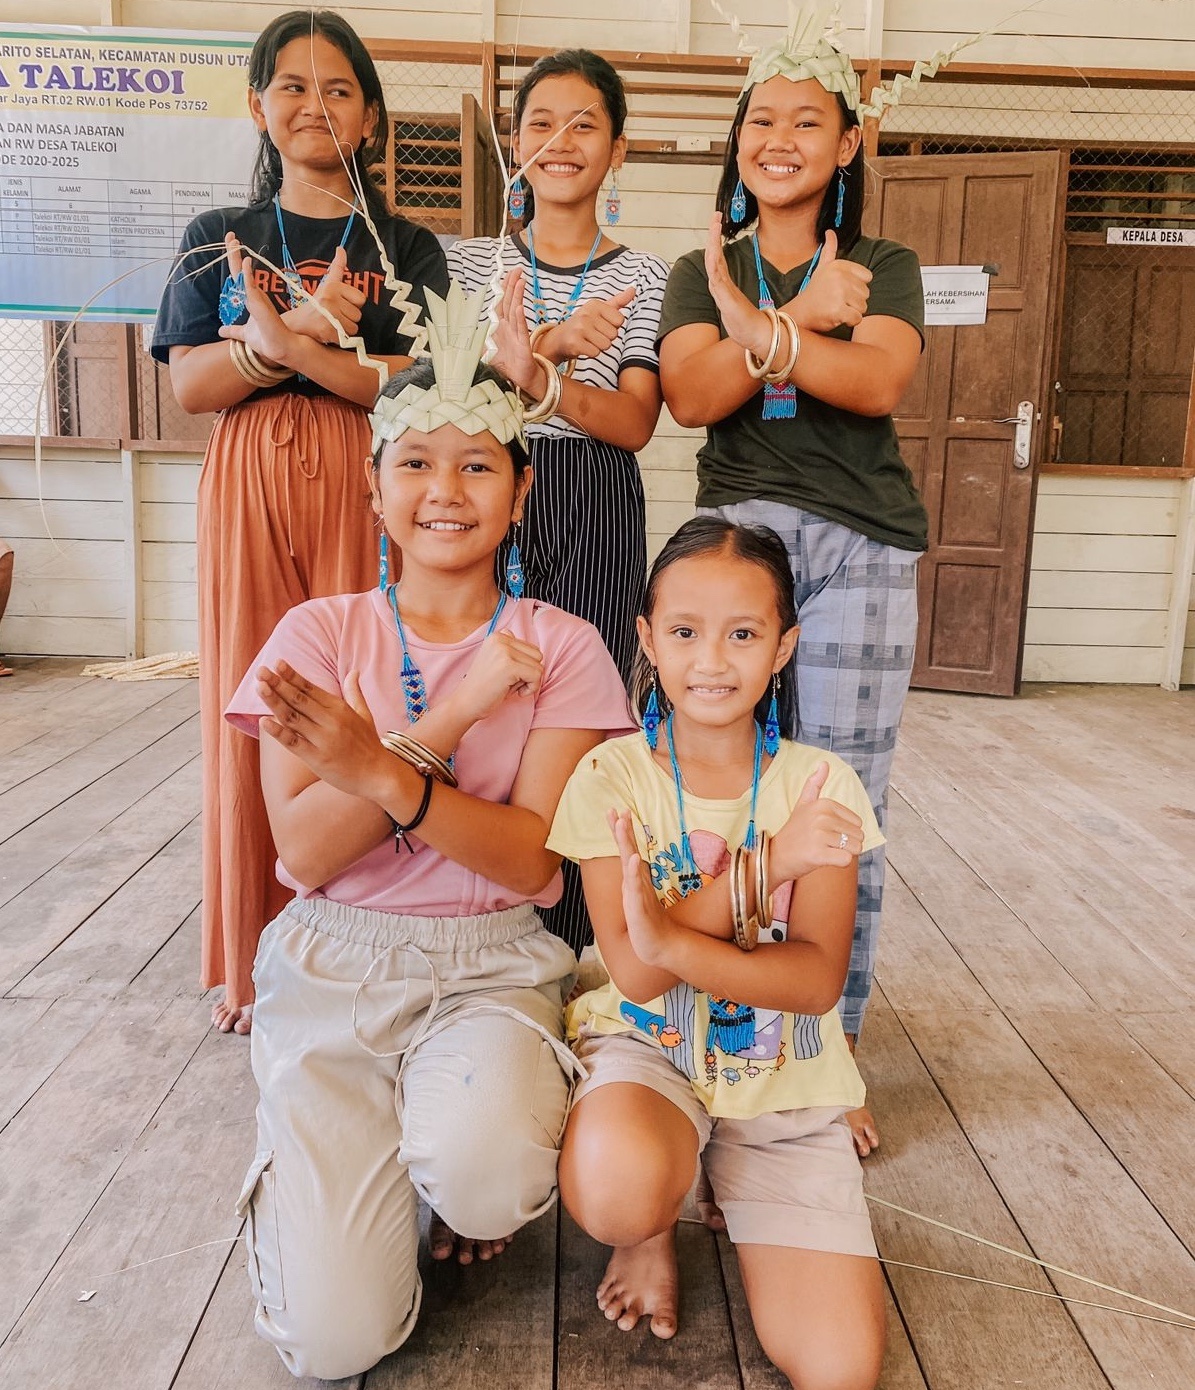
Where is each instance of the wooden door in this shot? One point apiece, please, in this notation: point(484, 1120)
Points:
point(481, 174)
point(999, 210)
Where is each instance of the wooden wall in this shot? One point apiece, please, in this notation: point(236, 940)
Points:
point(1103, 552)
point(1086, 33)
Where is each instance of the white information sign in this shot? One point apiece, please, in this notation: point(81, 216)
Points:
point(1151, 236)
point(955, 294)
point(110, 142)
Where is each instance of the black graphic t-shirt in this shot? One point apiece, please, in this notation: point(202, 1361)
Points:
point(189, 314)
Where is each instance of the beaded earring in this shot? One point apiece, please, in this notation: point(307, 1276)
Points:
point(771, 728)
point(738, 203)
point(384, 560)
point(841, 197)
point(651, 716)
point(515, 579)
point(613, 201)
point(518, 199)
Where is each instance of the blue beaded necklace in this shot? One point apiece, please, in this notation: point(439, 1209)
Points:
point(410, 677)
point(290, 272)
point(689, 880)
point(541, 312)
point(779, 402)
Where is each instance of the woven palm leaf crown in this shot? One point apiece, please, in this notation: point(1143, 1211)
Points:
point(456, 339)
point(809, 49)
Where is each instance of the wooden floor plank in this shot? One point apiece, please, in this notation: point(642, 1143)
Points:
point(1111, 806)
point(227, 1354)
point(594, 1352)
point(1126, 1097)
point(915, 956)
point(1070, 1197)
point(1170, 1040)
point(58, 1155)
point(926, 1163)
point(993, 944)
point(33, 923)
point(116, 941)
point(35, 1035)
point(1099, 954)
point(174, 1190)
point(34, 851)
point(1109, 849)
point(173, 972)
point(100, 747)
point(479, 1322)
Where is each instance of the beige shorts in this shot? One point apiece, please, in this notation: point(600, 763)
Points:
point(790, 1178)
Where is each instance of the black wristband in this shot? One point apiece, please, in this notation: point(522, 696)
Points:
point(402, 831)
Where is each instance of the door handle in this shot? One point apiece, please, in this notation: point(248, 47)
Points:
point(1023, 420)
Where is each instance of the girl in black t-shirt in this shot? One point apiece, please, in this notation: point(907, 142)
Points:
point(282, 512)
point(833, 320)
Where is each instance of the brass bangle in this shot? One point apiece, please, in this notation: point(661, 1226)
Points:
point(746, 928)
point(237, 357)
point(763, 899)
point(423, 759)
point(266, 365)
point(759, 367)
point(565, 368)
point(547, 405)
point(781, 375)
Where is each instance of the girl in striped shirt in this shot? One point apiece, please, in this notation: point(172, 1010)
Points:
point(572, 294)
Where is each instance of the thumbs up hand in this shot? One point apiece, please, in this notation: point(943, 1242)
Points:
point(819, 833)
point(837, 292)
point(340, 297)
point(589, 330)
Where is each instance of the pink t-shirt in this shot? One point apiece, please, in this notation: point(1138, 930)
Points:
point(327, 638)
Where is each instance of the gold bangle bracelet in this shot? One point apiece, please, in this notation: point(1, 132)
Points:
point(265, 365)
point(565, 368)
point(759, 367)
point(419, 756)
point(781, 375)
point(547, 405)
point(763, 899)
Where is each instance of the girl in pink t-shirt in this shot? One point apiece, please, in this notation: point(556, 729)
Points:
point(407, 1031)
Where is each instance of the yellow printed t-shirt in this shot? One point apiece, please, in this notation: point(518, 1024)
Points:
point(741, 1061)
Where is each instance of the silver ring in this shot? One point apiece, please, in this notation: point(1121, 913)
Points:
point(843, 840)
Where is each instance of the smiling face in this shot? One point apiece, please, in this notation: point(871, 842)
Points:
point(792, 142)
point(577, 159)
point(313, 84)
point(715, 637)
point(448, 498)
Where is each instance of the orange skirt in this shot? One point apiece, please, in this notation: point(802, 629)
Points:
point(283, 515)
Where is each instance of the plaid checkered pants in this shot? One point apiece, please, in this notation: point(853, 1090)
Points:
point(857, 604)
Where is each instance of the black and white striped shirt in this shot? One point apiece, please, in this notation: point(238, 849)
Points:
point(472, 264)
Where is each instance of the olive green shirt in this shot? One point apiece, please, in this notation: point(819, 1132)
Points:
point(830, 461)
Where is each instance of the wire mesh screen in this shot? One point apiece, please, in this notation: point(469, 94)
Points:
point(1126, 342)
point(22, 363)
point(423, 100)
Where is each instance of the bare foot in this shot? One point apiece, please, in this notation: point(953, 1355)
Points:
point(443, 1240)
point(5, 670)
point(709, 1211)
point(229, 1019)
point(641, 1281)
point(863, 1130)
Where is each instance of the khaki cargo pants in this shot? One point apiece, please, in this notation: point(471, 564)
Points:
point(397, 1058)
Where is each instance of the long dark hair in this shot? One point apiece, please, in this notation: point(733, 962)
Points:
point(422, 374)
point(572, 62)
point(266, 178)
point(758, 545)
point(852, 207)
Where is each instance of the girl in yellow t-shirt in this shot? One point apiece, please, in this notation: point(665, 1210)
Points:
point(719, 866)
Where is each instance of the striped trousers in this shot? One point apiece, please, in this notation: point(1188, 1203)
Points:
point(584, 547)
point(857, 605)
